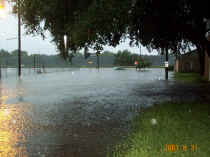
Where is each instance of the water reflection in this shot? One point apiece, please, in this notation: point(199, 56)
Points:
point(10, 127)
point(20, 90)
point(74, 113)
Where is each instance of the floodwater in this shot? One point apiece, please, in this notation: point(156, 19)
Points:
point(72, 112)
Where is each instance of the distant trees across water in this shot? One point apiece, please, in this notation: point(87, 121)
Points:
point(126, 58)
point(107, 59)
point(10, 59)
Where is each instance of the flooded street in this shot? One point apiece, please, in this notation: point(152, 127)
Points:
point(75, 112)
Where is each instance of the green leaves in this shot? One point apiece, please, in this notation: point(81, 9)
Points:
point(94, 23)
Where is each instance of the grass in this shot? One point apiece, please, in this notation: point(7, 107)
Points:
point(182, 126)
point(189, 77)
point(158, 67)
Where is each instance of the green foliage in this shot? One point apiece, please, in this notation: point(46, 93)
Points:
point(156, 24)
point(177, 124)
point(107, 53)
point(126, 58)
point(107, 58)
point(189, 78)
point(15, 53)
point(4, 53)
point(10, 59)
point(143, 63)
point(171, 68)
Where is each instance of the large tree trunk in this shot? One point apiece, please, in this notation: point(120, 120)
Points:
point(201, 53)
point(208, 52)
point(208, 48)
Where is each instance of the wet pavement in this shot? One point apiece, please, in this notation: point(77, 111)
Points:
point(79, 112)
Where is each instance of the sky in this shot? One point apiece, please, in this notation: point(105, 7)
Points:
point(35, 44)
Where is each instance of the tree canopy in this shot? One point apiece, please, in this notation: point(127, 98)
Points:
point(15, 53)
point(156, 24)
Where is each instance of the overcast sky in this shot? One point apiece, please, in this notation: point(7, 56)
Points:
point(35, 44)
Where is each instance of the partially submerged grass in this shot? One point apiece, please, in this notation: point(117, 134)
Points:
point(189, 77)
point(158, 67)
point(181, 126)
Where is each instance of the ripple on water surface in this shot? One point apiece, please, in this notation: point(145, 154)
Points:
point(71, 113)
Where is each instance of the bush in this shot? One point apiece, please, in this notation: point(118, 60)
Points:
point(171, 68)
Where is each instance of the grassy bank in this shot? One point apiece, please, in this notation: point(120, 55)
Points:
point(189, 77)
point(181, 130)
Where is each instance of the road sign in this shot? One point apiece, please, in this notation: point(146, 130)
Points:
point(166, 65)
point(90, 62)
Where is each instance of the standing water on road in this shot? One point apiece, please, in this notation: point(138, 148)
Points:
point(77, 112)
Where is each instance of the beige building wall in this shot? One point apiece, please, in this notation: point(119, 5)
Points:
point(187, 63)
point(176, 67)
point(207, 67)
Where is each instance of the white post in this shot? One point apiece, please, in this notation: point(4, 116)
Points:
point(65, 41)
point(209, 69)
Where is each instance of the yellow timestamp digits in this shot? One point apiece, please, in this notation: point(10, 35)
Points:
point(176, 147)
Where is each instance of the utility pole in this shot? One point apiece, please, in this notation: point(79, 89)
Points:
point(37, 64)
point(140, 49)
point(34, 63)
point(98, 63)
point(19, 40)
point(139, 59)
point(166, 64)
point(0, 70)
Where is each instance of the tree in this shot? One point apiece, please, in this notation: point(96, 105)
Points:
point(56, 16)
point(174, 25)
point(15, 53)
point(157, 24)
point(107, 53)
point(126, 58)
point(4, 53)
point(143, 63)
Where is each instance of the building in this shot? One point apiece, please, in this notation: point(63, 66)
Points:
point(188, 62)
point(207, 66)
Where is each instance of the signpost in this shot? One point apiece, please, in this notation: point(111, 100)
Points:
point(65, 41)
point(166, 64)
point(98, 64)
point(19, 41)
point(34, 63)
